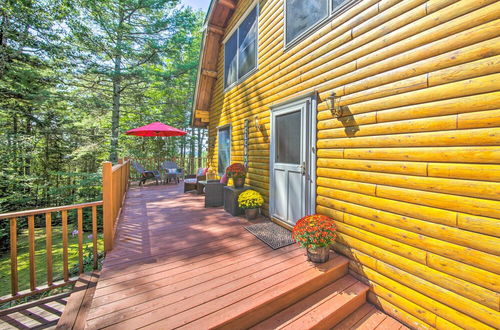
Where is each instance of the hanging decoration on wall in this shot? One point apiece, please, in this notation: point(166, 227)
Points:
point(245, 142)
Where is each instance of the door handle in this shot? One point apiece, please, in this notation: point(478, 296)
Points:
point(303, 168)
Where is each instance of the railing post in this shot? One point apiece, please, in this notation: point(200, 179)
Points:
point(107, 204)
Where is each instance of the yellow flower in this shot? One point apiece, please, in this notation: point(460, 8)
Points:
point(250, 199)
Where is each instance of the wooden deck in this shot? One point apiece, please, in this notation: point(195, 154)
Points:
point(177, 264)
point(39, 314)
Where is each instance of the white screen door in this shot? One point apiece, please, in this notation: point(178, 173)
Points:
point(292, 157)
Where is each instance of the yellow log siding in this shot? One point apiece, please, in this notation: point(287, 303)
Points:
point(411, 172)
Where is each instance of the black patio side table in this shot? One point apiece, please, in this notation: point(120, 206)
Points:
point(231, 195)
point(214, 193)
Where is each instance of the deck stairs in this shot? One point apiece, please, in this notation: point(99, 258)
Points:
point(324, 297)
point(321, 296)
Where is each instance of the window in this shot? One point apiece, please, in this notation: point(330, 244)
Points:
point(303, 15)
point(224, 156)
point(240, 50)
point(288, 137)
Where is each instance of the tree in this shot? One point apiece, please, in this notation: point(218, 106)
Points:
point(119, 44)
point(56, 93)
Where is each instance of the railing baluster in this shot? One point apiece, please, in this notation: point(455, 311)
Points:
point(13, 257)
point(48, 246)
point(94, 234)
point(16, 285)
point(80, 239)
point(31, 239)
point(64, 215)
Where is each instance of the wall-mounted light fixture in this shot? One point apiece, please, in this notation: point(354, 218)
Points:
point(335, 109)
point(257, 124)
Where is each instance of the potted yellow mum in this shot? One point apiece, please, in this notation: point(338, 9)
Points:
point(250, 201)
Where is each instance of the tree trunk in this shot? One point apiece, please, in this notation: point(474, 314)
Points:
point(191, 147)
point(200, 146)
point(29, 130)
point(3, 40)
point(117, 80)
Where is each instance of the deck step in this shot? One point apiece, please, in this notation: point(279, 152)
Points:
point(321, 310)
point(261, 305)
point(368, 317)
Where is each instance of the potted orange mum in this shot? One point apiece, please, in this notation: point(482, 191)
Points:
point(237, 172)
point(315, 233)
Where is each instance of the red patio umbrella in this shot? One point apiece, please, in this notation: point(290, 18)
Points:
point(156, 129)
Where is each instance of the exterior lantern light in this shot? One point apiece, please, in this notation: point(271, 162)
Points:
point(257, 124)
point(335, 109)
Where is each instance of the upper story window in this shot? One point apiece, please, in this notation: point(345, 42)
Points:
point(240, 51)
point(303, 15)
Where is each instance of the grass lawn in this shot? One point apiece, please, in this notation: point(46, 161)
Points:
point(40, 257)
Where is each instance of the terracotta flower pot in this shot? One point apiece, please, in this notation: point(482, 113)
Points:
point(238, 182)
point(319, 255)
point(251, 214)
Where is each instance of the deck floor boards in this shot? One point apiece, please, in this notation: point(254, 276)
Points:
point(175, 261)
point(38, 314)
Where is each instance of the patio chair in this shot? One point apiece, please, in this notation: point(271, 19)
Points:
point(173, 172)
point(214, 192)
point(146, 174)
point(196, 181)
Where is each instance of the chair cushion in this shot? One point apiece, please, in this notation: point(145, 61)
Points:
point(224, 179)
point(202, 171)
point(193, 181)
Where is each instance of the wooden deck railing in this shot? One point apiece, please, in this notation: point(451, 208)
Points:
point(115, 186)
point(48, 212)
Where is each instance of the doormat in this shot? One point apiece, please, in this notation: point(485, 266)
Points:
point(273, 235)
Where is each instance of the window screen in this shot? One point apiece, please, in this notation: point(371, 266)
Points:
point(224, 149)
point(230, 60)
point(247, 48)
point(337, 4)
point(303, 14)
point(240, 50)
point(288, 136)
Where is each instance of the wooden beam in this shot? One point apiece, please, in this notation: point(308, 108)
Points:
point(215, 29)
point(209, 73)
point(228, 4)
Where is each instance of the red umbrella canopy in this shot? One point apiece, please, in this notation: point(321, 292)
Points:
point(156, 129)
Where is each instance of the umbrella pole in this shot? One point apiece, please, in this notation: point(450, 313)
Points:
point(158, 151)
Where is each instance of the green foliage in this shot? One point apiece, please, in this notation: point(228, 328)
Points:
point(59, 61)
point(40, 257)
point(74, 75)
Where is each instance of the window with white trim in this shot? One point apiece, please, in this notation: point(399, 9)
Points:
point(240, 51)
point(303, 15)
point(224, 152)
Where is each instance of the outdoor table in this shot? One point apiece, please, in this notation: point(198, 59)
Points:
point(231, 195)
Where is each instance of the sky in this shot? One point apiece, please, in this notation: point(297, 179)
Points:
point(198, 4)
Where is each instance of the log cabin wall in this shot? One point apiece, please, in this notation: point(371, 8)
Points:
point(411, 171)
